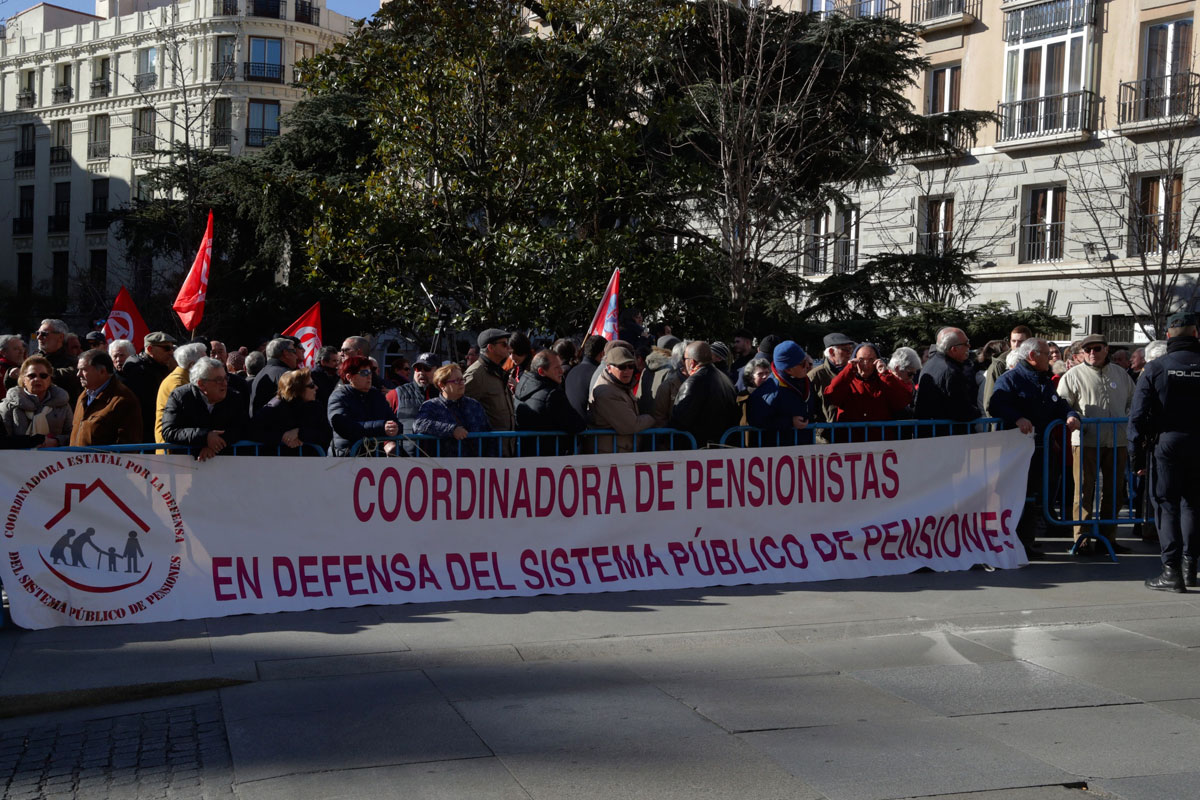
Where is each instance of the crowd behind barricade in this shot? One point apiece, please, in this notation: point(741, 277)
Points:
point(204, 397)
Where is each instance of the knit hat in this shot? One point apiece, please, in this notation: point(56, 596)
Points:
point(720, 351)
point(789, 354)
point(767, 345)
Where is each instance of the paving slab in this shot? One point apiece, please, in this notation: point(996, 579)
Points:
point(476, 778)
point(363, 663)
point(988, 688)
point(1181, 786)
point(1096, 742)
point(313, 725)
point(1028, 793)
point(1182, 631)
point(1184, 708)
point(904, 650)
point(566, 731)
point(902, 759)
point(329, 632)
point(1094, 639)
point(792, 702)
point(1151, 675)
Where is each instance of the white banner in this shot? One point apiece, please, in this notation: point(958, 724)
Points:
point(93, 538)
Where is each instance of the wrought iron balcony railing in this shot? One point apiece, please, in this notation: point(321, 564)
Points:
point(1165, 97)
point(58, 223)
point(825, 254)
point(1154, 233)
point(1045, 116)
point(24, 158)
point(1048, 19)
point(101, 87)
point(22, 226)
point(858, 9)
point(263, 71)
point(98, 149)
point(1042, 241)
point(143, 144)
point(144, 81)
point(273, 9)
point(936, 243)
point(224, 70)
point(61, 94)
point(220, 137)
point(307, 13)
point(225, 8)
point(926, 10)
point(258, 137)
point(60, 155)
point(97, 220)
point(26, 99)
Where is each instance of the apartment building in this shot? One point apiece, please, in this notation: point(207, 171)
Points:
point(88, 102)
point(1083, 195)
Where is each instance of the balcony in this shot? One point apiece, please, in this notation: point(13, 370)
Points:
point(58, 223)
point(936, 243)
point(860, 9)
point(940, 15)
point(143, 144)
point(22, 226)
point(308, 13)
point(1167, 101)
point(825, 255)
point(97, 220)
point(144, 81)
point(1045, 120)
point(62, 94)
point(26, 99)
point(1155, 233)
point(1042, 242)
point(224, 70)
point(24, 158)
point(943, 144)
point(263, 72)
point(101, 87)
point(220, 137)
point(98, 150)
point(225, 8)
point(258, 137)
point(272, 9)
point(60, 155)
point(1040, 20)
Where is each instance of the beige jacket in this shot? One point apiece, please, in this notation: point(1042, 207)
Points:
point(1104, 392)
point(175, 378)
point(488, 383)
point(611, 405)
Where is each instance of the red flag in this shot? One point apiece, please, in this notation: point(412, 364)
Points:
point(189, 303)
point(124, 321)
point(308, 330)
point(605, 322)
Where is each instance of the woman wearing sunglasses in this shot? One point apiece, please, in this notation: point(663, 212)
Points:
point(451, 415)
point(36, 406)
point(292, 417)
point(357, 410)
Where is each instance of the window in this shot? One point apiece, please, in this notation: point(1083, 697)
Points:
point(24, 275)
point(1167, 67)
point(26, 94)
point(60, 277)
point(100, 195)
point(1160, 199)
point(830, 243)
point(1045, 222)
point(23, 222)
point(27, 146)
point(62, 83)
point(143, 131)
point(1045, 64)
point(225, 66)
point(266, 60)
point(263, 122)
point(147, 69)
point(222, 122)
point(98, 136)
point(101, 85)
point(937, 238)
point(943, 89)
point(303, 50)
point(60, 148)
point(60, 220)
point(98, 271)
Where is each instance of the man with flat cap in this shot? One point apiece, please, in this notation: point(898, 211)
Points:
point(612, 404)
point(838, 349)
point(144, 372)
point(1164, 425)
point(487, 381)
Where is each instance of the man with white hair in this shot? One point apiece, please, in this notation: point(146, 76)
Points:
point(947, 388)
point(838, 349)
point(202, 413)
point(283, 354)
point(120, 351)
point(12, 355)
point(52, 344)
point(185, 356)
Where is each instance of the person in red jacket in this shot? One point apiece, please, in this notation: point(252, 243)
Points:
point(866, 392)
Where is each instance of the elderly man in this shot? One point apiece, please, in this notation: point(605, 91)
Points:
point(120, 351)
point(355, 346)
point(217, 349)
point(1137, 362)
point(1025, 399)
point(52, 344)
point(106, 412)
point(406, 400)
point(283, 355)
point(838, 349)
point(706, 405)
point(144, 372)
point(201, 414)
point(487, 382)
point(999, 365)
point(579, 381)
point(185, 356)
point(1164, 419)
point(95, 341)
point(1097, 388)
point(612, 405)
point(12, 355)
point(946, 388)
point(542, 404)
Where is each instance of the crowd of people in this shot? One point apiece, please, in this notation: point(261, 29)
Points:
point(202, 395)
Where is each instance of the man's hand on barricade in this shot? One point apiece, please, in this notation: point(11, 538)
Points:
point(1024, 425)
point(214, 441)
point(1072, 424)
point(291, 438)
point(391, 428)
point(799, 423)
point(205, 454)
point(460, 433)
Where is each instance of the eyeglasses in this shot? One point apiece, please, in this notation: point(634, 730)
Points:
point(44, 334)
point(365, 373)
point(40, 376)
point(626, 367)
point(1093, 348)
point(218, 381)
point(453, 381)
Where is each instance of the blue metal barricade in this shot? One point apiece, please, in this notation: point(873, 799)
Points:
point(1088, 484)
point(844, 432)
point(244, 447)
point(517, 444)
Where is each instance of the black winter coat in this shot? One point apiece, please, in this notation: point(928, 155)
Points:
point(947, 390)
point(279, 416)
point(187, 420)
point(706, 405)
point(265, 384)
point(542, 405)
point(142, 374)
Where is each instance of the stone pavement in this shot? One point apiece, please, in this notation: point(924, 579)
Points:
point(1065, 679)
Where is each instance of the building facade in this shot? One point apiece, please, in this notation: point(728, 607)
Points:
point(1083, 195)
point(89, 102)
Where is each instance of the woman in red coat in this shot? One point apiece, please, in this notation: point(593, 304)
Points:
point(866, 392)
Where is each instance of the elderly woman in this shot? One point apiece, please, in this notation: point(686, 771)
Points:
point(866, 392)
point(357, 410)
point(292, 417)
point(451, 415)
point(36, 406)
point(754, 374)
point(905, 364)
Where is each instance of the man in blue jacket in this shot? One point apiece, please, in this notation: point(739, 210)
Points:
point(1164, 419)
point(1025, 399)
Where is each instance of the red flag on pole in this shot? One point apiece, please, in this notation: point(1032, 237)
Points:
point(605, 322)
point(124, 321)
point(189, 303)
point(308, 330)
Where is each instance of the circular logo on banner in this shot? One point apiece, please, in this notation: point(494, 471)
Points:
point(120, 324)
point(96, 537)
point(310, 341)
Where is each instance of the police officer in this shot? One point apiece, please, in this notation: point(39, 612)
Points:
point(1164, 416)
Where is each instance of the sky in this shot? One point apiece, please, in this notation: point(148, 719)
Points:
point(351, 8)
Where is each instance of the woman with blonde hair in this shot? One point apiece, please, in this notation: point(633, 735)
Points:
point(292, 418)
point(36, 406)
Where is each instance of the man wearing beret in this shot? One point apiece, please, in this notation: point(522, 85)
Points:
point(144, 372)
point(487, 382)
point(612, 404)
point(838, 349)
point(1164, 425)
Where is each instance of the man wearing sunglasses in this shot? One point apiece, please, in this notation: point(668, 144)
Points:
point(612, 404)
point(144, 372)
point(51, 340)
point(1097, 388)
point(406, 400)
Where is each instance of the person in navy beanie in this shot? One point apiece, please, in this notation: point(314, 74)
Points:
point(787, 401)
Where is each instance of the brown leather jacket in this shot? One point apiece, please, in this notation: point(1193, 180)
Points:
point(115, 417)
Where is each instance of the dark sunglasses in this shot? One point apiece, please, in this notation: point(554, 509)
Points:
point(39, 375)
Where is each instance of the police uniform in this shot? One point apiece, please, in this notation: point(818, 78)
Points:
point(1164, 425)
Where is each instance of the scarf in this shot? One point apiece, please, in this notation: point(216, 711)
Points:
point(786, 382)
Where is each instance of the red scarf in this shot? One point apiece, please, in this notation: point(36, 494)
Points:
point(785, 382)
